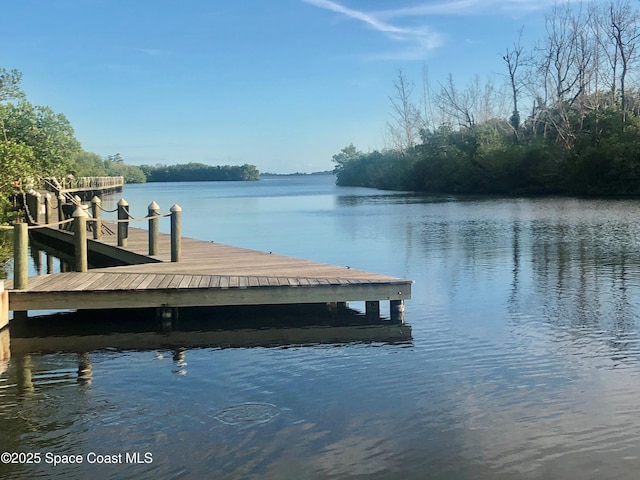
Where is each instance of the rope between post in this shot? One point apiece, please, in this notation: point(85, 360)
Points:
point(108, 211)
point(133, 219)
point(56, 224)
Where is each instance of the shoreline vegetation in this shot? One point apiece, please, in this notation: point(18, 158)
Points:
point(580, 134)
point(37, 143)
point(199, 172)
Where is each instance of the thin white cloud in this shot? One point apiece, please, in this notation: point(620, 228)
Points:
point(468, 8)
point(418, 41)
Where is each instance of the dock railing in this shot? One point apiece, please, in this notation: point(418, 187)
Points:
point(79, 223)
point(73, 184)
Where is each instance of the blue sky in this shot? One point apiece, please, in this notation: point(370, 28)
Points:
point(281, 84)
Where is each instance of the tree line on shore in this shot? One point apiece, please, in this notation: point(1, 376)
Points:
point(36, 142)
point(580, 134)
point(199, 172)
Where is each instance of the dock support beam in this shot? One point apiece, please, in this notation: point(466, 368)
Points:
point(97, 217)
point(80, 239)
point(123, 226)
point(372, 309)
point(167, 317)
point(397, 311)
point(176, 233)
point(154, 227)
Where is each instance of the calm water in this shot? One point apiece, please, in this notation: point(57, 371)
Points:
point(523, 360)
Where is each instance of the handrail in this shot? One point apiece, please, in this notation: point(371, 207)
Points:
point(80, 220)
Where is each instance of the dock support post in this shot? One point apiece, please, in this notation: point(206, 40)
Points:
point(49, 263)
point(47, 208)
point(97, 218)
point(154, 227)
point(80, 239)
point(176, 233)
point(372, 309)
point(4, 311)
point(61, 201)
point(20, 256)
point(167, 318)
point(123, 227)
point(397, 311)
point(38, 203)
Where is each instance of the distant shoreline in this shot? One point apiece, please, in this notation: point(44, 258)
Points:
point(296, 174)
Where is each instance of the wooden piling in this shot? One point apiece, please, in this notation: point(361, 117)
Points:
point(80, 239)
point(154, 227)
point(372, 309)
point(47, 208)
point(176, 233)
point(20, 256)
point(123, 227)
point(397, 311)
point(97, 217)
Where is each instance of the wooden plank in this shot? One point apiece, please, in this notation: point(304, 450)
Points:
point(164, 283)
point(148, 280)
point(186, 281)
point(89, 279)
point(109, 282)
point(175, 281)
point(128, 283)
point(155, 282)
point(137, 281)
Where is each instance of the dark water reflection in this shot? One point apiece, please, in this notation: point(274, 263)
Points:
point(522, 362)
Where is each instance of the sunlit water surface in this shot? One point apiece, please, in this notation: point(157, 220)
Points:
point(523, 360)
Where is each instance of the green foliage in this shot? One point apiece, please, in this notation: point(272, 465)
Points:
point(604, 159)
point(49, 134)
point(115, 167)
point(16, 162)
point(199, 172)
point(87, 164)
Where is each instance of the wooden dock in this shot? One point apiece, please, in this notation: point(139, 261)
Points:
point(207, 274)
